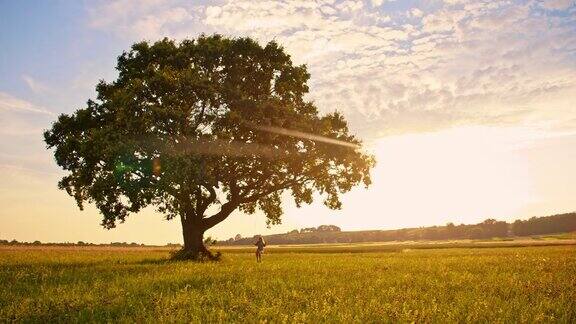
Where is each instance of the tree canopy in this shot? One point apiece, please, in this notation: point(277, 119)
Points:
point(212, 121)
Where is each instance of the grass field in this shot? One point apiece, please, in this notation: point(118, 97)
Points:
point(378, 283)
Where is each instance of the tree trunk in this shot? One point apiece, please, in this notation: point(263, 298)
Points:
point(193, 228)
point(194, 248)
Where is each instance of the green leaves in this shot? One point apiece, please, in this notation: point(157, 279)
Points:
point(188, 125)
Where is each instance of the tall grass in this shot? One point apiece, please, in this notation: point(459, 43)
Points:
point(521, 284)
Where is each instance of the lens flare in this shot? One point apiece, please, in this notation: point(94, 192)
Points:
point(299, 134)
point(217, 147)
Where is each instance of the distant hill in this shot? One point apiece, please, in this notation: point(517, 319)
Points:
point(489, 228)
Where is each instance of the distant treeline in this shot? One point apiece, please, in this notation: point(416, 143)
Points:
point(545, 225)
point(489, 228)
point(81, 243)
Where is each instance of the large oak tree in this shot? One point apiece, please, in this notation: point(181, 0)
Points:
point(208, 124)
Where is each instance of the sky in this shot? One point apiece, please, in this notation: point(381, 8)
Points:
point(468, 106)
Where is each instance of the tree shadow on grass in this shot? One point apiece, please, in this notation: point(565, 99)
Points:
point(169, 260)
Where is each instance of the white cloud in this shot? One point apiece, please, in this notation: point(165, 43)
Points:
point(147, 19)
point(466, 62)
point(21, 124)
point(21, 127)
point(34, 85)
point(557, 4)
point(11, 103)
point(415, 12)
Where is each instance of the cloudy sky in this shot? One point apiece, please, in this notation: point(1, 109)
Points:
point(469, 106)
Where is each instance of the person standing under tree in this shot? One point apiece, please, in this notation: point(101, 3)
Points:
point(260, 244)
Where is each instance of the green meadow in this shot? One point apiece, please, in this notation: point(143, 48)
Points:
point(363, 283)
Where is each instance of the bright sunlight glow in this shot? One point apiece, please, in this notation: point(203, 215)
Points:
point(458, 175)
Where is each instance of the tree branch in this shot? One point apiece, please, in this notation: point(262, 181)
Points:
point(203, 203)
point(224, 212)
